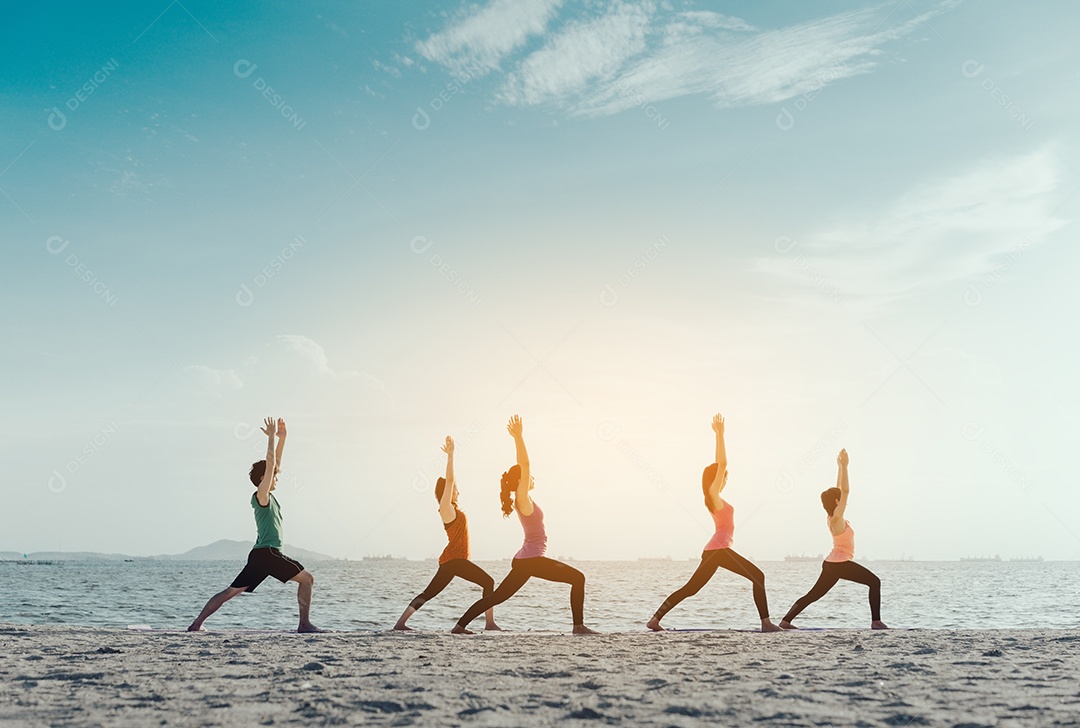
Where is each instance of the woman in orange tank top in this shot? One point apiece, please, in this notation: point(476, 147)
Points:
point(839, 564)
point(454, 560)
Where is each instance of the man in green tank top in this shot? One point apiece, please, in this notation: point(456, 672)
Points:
point(266, 558)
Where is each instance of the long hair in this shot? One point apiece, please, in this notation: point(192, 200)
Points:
point(830, 499)
point(440, 487)
point(258, 470)
point(508, 486)
point(707, 478)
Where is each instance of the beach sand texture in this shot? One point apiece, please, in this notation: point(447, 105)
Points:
point(92, 676)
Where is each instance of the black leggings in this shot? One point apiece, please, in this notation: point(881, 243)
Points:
point(710, 562)
point(832, 572)
point(464, 568)
point(521, 570)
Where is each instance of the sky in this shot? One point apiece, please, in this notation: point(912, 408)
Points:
point(839, 225)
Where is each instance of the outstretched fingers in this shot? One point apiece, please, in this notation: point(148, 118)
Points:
point(514, 426)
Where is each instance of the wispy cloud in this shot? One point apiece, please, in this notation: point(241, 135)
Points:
point(949, 230)
point(292, 372)
point(480, 38)
point(587, 65)
point(579, 54)
point(215, 382)
point(313, 356)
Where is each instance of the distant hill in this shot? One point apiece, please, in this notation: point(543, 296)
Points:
point(63, 556)
point(228, 550)
point(223, 550)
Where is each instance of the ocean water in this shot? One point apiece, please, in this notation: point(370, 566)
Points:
point(620, 595)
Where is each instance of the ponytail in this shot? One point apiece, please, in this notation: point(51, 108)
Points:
point(508, 486)
point(707, 478)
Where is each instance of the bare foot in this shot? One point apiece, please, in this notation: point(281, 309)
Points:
point(458, 629)
point(784, 624)
point(654, 625)
point(402, 628)
point(878, 624)
point(493, 628)
point(309, 628)
point(196, 628)
point(768, 626)
point(582, 629)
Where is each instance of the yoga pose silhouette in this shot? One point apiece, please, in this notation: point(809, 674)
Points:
point(529, 561)
point(266, 558)
point(839, 564)
point(718, 552)
point(454, 560)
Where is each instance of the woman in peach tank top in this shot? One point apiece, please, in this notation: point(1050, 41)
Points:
point(839, 564)
point(718, 552)
point(529, 561)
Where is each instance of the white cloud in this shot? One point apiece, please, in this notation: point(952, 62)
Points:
point(214, 382)
point(481, 38)
point(709, 19)
point(293, 373)
point(583, 51)
point(310, 351)
point(632, 54)
point(379, 66)
point(961, 228)
point(314, 361)
point(739, 68)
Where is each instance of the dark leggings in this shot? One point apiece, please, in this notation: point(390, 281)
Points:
point(464, 568)
point(832, 572)
point(521, 570)
point(710, 562)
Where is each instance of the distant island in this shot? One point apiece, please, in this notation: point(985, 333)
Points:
point(223, 550)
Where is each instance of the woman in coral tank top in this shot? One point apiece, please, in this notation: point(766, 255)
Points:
point(839, 564)
point(529, 561)
point(454, 560)
point(718, 552)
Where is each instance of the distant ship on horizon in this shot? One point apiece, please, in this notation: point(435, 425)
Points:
point(803, 557)
point(995, 557)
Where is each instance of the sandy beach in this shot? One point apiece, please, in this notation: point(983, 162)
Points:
point(92, 676)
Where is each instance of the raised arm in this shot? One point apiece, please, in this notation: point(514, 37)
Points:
point(523, 500)
point(844, 486)
point(721, 451)
point(281, 435)
point(721, 460)
point(446, 503)
point(263, 493)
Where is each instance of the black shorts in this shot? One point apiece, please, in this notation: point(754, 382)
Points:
point(264, 562)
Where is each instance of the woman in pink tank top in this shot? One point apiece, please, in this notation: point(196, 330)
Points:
point(529, 561)
point(839, 564)
point(718, 552)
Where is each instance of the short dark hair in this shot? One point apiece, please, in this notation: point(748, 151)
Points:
point(830, 499)
point(258, 470)
point(440, 488)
